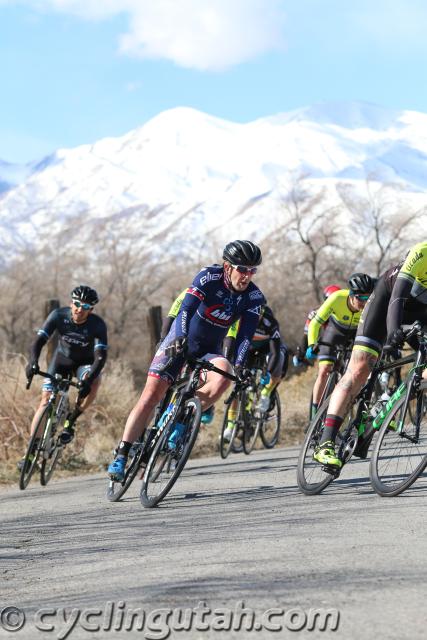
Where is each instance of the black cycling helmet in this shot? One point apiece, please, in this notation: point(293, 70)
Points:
point(360, 283)
point(242, 252)
point(85, 294)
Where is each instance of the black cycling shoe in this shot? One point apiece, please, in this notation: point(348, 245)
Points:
point(363, 444)
point(67, 435)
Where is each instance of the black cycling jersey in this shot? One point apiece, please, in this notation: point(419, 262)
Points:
point(77, 342)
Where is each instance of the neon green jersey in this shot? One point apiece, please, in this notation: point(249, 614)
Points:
point(336, 309)
point(176, 305)
point(414, 269)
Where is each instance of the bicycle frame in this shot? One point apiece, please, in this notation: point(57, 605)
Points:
point(413, 380)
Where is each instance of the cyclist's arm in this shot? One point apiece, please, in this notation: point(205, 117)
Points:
point(43, 335)
point(321, 316)
point(248, 324)
point(194, 296)
point(99, 352)
point(172, 313)
point(399, 295)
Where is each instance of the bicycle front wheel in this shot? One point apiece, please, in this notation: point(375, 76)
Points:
point(52, 450)
point(117, 490)
point(34, 449)
point(400, 453)
point(311, 477)
point(165, 465)
point(270, 427)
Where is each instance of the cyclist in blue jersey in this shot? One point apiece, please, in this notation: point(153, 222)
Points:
point(217, 296)
point(81, 351)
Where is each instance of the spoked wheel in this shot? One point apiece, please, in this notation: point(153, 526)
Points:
point(164, 465)
point(311, 476)
point(116, 490)
point(252, 428)
point(34, 449)
point(51, 456)
point(400, 453)
point(228, 441)
point(270, 427)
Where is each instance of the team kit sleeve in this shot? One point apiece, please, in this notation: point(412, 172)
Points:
point(176, 305)
point(100, 352)
point(248, 323)
point(402, 290)
point(320, 317)
point(194, 295)
point(43, 334)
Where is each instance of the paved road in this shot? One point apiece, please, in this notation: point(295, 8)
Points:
point(233, 534)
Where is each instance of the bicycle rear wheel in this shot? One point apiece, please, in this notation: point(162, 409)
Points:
point(400, 453)
point(252, 426)
point(165, 466)
point(270, 427)
point(227, 445)
point(34, 449)
point(311, 477)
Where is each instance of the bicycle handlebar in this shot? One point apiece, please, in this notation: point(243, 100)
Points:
point(57, 378)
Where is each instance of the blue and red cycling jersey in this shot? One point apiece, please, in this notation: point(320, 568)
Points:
point(208, 310)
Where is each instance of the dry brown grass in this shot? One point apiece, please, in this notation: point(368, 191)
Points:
point(101, 426)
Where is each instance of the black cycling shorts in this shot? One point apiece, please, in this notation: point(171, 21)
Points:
point(372, 329)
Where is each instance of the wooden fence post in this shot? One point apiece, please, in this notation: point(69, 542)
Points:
point(154, 320)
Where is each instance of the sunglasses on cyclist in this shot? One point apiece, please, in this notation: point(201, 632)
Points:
point(83, 305)
point(361, 297)
point(242, 269)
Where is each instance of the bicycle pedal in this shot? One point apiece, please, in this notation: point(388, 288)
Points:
point(333, 471)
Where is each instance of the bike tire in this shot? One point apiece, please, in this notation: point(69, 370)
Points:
point(270, 438)
point(116, 490)
point(397, 461)
point(226, 446)
point(252, 426)
point(29, 466)
point(165, 478)
point(51, 458)
point(48, 465)
point(311, 478)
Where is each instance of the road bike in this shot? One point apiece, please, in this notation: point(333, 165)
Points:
point(45, 448)
point(250, 421)
point(399, 456)
point(364, 418)
point(166, 462)
point(159, 464)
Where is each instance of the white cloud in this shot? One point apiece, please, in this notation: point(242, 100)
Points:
point(204, 34)
point(198, 34)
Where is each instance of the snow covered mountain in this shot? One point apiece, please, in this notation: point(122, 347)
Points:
point(186, 178)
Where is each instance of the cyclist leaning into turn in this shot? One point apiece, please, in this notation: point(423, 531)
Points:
point(400, 297)
point(208, 414)
point(299, 358)
point(268, 342)
point(217, 296)
point(342, 312)
point(81, 351)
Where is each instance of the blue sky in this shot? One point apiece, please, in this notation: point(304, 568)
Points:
point(74, 71)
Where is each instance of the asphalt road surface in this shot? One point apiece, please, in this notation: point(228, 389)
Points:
point(235, 551)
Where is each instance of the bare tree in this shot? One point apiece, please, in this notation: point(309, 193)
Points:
point(310, 226)
point(385, 220)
